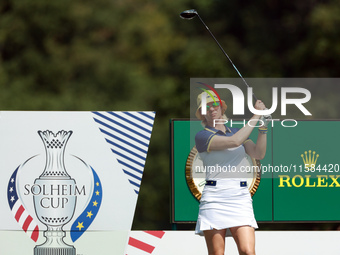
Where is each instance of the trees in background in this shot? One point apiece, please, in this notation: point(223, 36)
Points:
point(139, 55)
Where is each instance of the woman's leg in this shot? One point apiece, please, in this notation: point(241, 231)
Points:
point(244, 237)
point(215, 240)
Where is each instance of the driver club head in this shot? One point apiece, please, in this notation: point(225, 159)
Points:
point(188, 14)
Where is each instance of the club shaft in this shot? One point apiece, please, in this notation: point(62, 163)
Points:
point(225, 54)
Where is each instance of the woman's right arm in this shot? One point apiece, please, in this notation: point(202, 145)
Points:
point(224, 142)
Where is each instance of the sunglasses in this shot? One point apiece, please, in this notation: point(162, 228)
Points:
point(215, 104)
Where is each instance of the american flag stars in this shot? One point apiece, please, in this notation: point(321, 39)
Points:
point(21, 215)
point(11, 190)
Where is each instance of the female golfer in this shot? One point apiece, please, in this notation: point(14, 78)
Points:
point(226, 202)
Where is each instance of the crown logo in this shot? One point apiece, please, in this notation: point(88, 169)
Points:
point(309, 159)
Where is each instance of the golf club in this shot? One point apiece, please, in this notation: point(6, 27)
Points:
point(190, 14)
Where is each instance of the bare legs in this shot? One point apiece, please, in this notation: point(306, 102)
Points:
point(215, 240)
point(244, 237)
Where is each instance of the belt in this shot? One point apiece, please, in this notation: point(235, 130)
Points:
point(213, 183)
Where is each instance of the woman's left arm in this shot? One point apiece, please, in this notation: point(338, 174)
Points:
point(258, 150)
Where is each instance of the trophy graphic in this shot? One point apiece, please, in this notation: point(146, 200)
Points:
point(54, 195)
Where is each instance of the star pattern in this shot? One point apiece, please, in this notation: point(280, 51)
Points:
point(89, 214)
point(80, 225)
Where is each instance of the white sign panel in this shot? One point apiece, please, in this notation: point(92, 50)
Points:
point(267, 243)
point(68, 176)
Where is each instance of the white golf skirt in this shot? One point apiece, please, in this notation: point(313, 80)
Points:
point(224, 206)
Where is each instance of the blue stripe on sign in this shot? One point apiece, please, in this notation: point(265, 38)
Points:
point(131, 167)
point(115, 130)
point(123, 141)
point(139, 119)
point(132, 175)
point(125, 149)
point(129, 159)
point(120, 132)
point(129, 121)
point(123, 126)
point(146, 115)
point(133, 183)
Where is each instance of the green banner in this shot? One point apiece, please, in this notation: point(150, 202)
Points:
point(300, 175)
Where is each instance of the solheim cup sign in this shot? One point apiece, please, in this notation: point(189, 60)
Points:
point(70, 180)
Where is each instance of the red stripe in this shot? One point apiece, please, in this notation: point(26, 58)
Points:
point(141, 245)
point(19, 212)
point(27, 223)
point(35, 234)
point(158, 234)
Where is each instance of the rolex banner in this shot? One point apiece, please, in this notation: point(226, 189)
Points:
point(298, 180)
point(70, 180)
